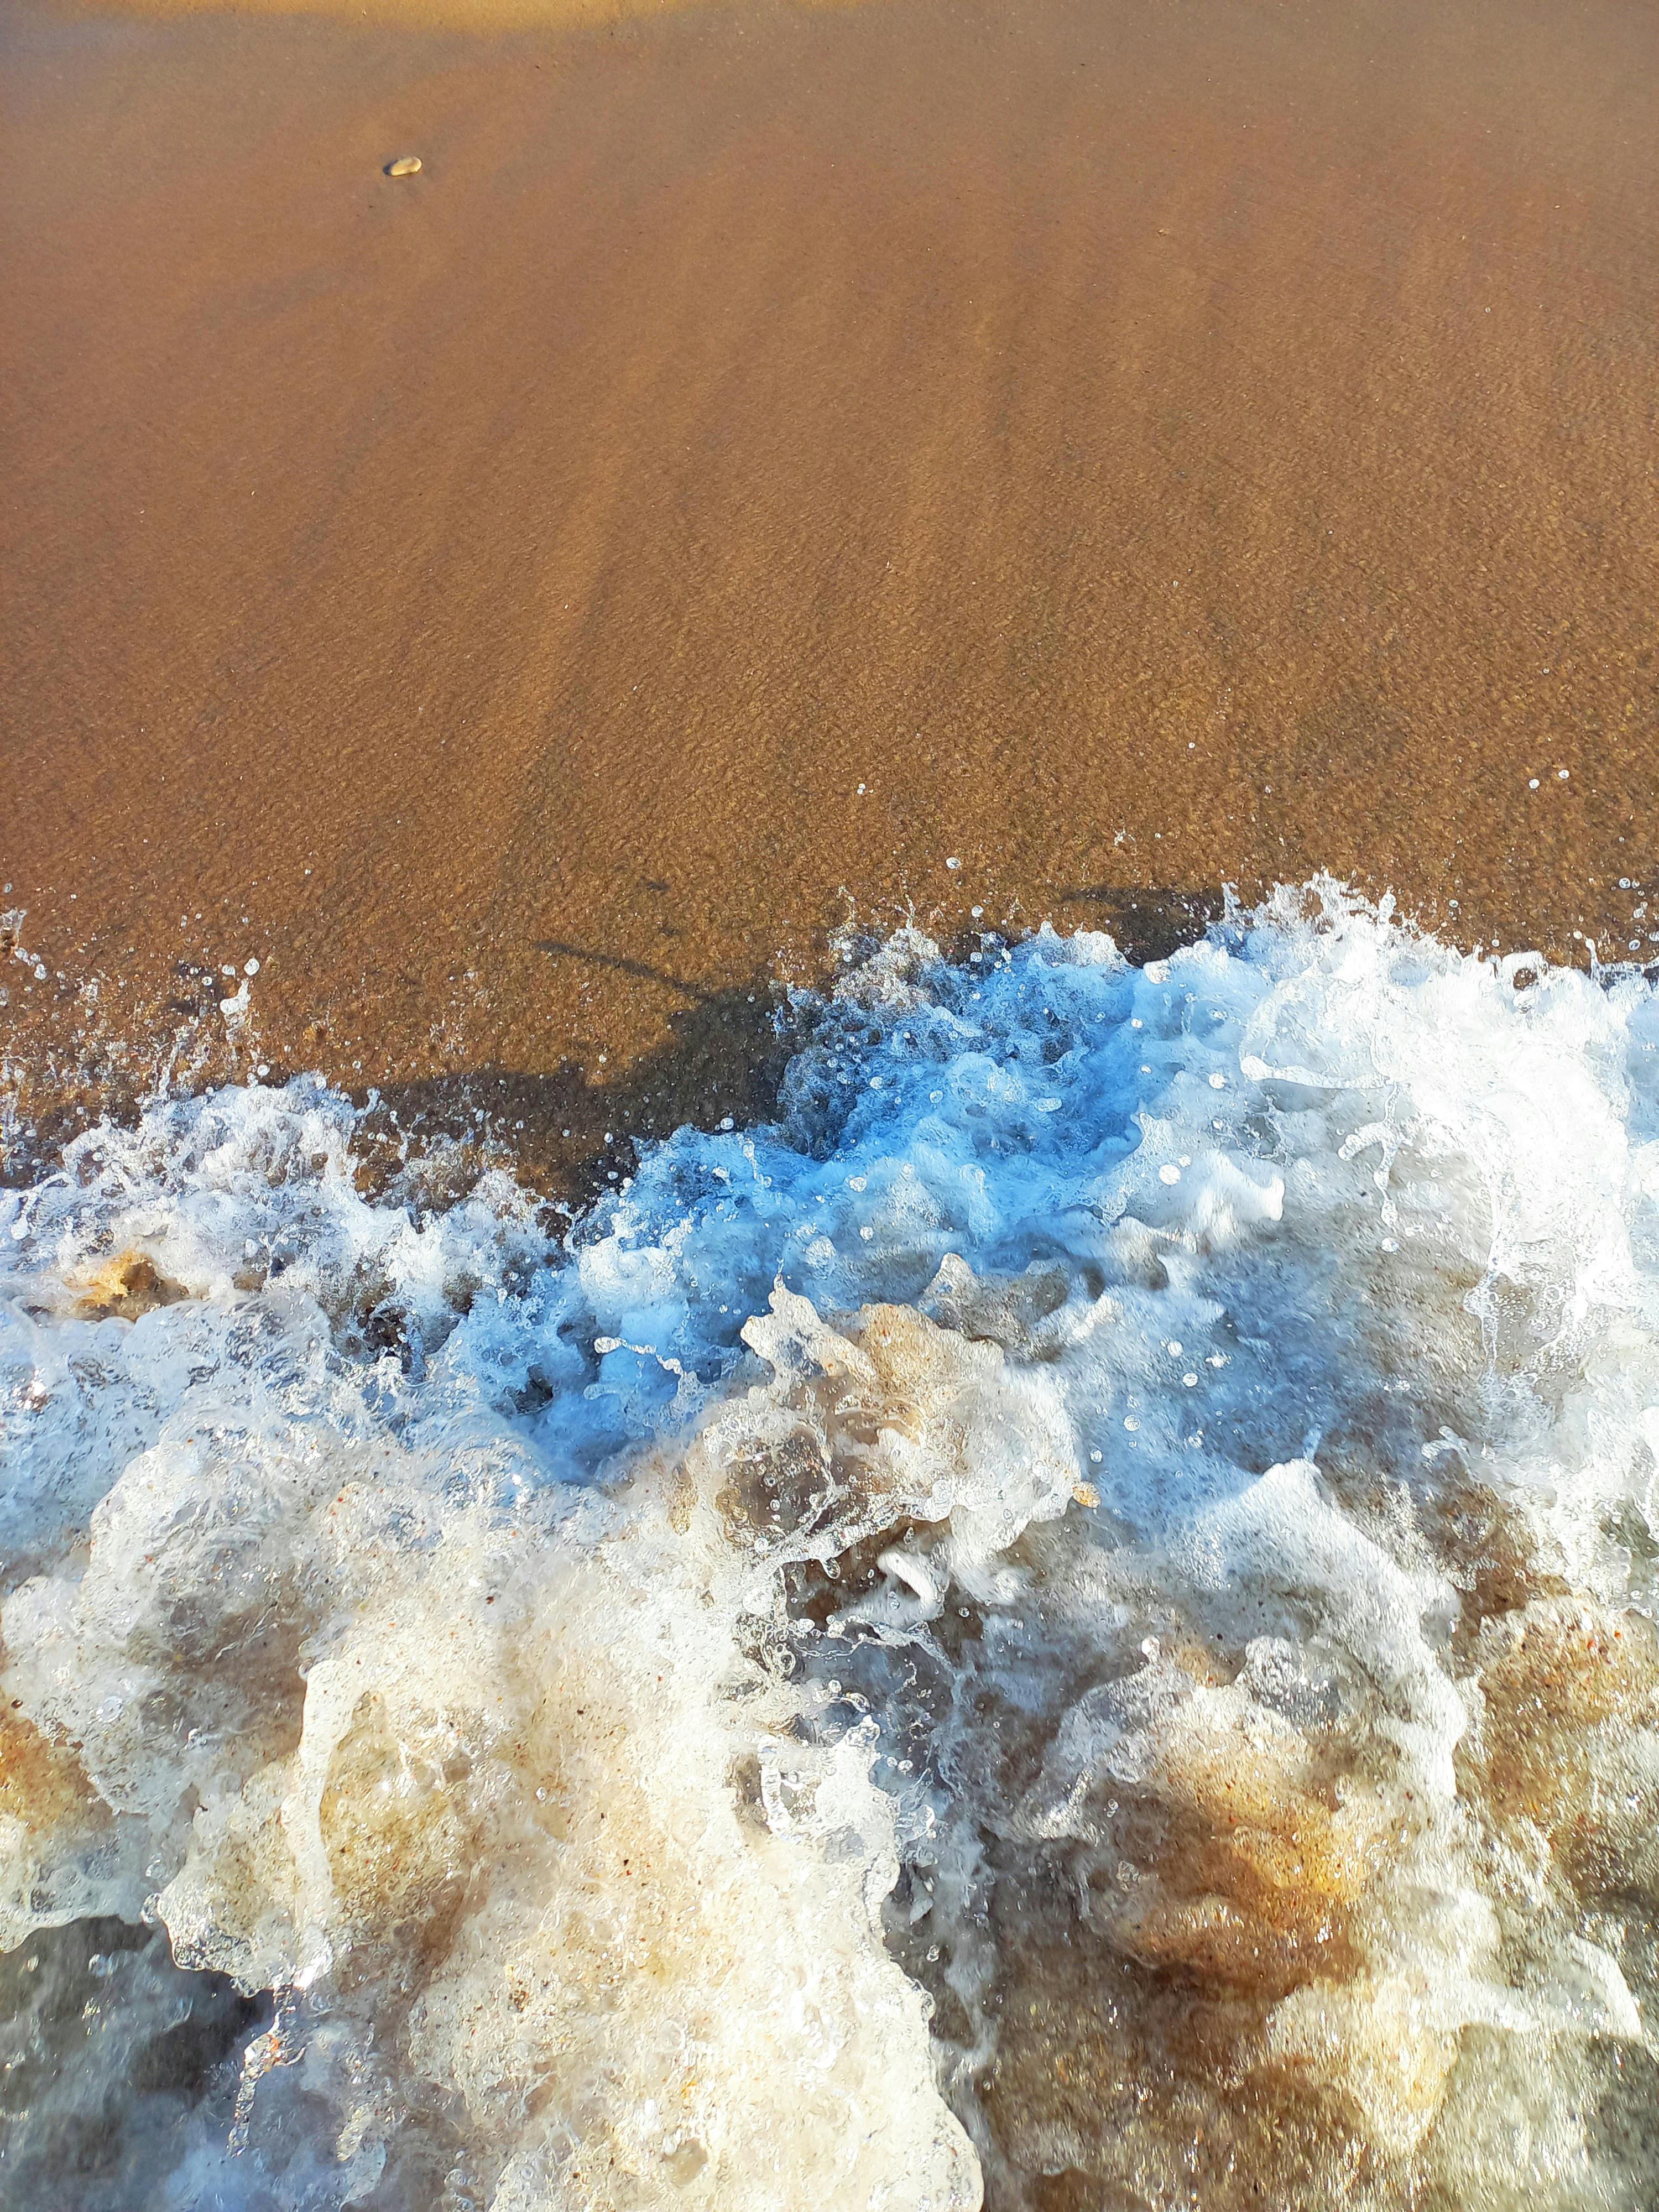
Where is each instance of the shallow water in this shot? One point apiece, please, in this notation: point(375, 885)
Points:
point(1071, 1624)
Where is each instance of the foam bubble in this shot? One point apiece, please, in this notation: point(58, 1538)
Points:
point(665, 1719)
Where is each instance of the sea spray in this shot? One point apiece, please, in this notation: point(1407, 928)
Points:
point(1071, 1620)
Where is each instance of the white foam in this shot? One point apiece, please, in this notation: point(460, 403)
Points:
point(1074, 1617)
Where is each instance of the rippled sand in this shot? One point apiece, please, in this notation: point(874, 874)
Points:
point(768, 453)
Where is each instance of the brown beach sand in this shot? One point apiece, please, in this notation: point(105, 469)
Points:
point(766, 452)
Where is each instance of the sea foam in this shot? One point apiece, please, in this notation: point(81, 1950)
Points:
point(1069, 1625)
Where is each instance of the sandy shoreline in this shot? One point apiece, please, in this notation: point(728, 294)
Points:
point(766, 455)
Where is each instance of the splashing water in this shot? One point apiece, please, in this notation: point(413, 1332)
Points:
point(1070, 1625)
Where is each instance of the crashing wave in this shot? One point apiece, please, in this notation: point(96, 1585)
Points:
point(1070, 1624)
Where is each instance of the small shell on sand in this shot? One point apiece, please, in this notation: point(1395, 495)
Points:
point(406, 165)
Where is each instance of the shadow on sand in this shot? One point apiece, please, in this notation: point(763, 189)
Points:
point(569, 1136)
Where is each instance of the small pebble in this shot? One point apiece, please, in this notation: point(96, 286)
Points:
point(406, 165)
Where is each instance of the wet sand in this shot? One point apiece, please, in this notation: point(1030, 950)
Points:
point(768, 455)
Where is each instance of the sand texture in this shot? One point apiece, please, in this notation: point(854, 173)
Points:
point(767, 454)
